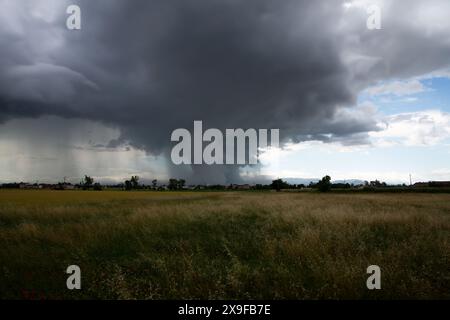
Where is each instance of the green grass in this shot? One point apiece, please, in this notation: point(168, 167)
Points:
point(237, 245)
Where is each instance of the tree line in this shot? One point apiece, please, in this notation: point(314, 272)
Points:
point(323, 185)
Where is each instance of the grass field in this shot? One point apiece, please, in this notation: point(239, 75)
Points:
point(236, 245)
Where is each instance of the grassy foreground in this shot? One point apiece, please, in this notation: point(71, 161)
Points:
point(169, 245)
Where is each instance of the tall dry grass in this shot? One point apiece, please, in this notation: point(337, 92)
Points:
point(238, 245)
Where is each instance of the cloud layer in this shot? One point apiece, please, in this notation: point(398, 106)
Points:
point(149, 67)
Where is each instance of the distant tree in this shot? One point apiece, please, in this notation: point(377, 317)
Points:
point(324, 185)
point(154, 183)
point(87, 182)
point(279, 184)
point(173, 184)
point(378, 184)
point(341, 186)
point(128, 185)
point(181, 183)
point(97, 186)
point(134, 182)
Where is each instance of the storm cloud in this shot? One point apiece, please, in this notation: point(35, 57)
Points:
point(149, 67)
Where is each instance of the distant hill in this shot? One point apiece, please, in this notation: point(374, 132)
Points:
point(307, 181)
point(355, 182)
point(304, 181)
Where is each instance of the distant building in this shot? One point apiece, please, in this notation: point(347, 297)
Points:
point(432, 184)
point(63, 186)
point(421, 185)
point(68, 186)
point(241, 186)
point(440, 184)
point(46, 186)
point(24, 185)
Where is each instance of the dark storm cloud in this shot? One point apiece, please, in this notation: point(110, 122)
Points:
point(149, 67)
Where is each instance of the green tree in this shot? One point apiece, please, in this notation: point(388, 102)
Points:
point(324, 185)
point(87, 182)
point(97, 186)
point(173, 184)
point(154, 183)
point(134, 182)
point(278, 184)
point(128, 185)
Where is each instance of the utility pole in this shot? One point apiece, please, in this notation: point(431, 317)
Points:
point(410, 180)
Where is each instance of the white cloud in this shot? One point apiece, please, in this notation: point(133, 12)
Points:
point(360, 4)
point(398, 88)
point(423, 128)
point(443, 73)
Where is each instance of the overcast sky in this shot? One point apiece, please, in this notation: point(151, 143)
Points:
point(103, 100)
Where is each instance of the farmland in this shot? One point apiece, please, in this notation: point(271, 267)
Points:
point(223, 245)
